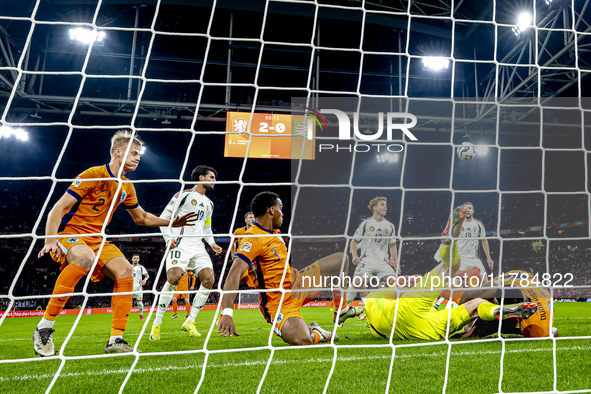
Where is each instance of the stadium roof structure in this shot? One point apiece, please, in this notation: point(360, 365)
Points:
point(343, 30)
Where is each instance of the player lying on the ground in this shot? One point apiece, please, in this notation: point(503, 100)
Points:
point(417, 318)
point(265, 260)
point(537, 325)
point(83, 210)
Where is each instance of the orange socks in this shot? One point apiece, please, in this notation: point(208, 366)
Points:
point(121, 305)
point(64, 284)
point(174, 306)
point(316, 337)
point(336, 300)
point(188, 308)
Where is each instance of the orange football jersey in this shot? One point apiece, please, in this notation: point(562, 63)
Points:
point(240, 231)
point(186, 282)
point(94, 199)
point(539, 324)
point(267, 257)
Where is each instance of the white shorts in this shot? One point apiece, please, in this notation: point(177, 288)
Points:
point(465, 263)
point(191, 258)
point(374, 267)
point(469, 263)
point(136, 293)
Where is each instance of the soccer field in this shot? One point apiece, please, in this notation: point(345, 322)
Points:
point(474, 367)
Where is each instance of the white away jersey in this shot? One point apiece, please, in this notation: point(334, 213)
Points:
point(468, 240)
point(383, 235)
point(138, 275)
point(186, 202)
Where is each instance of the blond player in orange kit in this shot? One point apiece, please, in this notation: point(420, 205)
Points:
point(83, 210)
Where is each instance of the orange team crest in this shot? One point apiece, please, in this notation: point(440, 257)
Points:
point(193, 202)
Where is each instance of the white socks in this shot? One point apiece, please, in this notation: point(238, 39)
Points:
point(351, 293)
point(44, 323)
point(198, 302)
point(163, 302)
point(140, 306)
point(114, 338)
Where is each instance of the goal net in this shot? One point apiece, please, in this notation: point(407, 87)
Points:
point(426, 104)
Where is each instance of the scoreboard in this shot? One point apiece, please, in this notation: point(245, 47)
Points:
point(273, 136)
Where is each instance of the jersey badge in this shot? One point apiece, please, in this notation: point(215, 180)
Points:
point(77, 182)
point(462, 229)
point(386, 230)
point(193, 202)
point(123, 195)
point(174, 262)
point(475, 229)
point(72, 240)
point(371, 228)
point(246, 246)
point(207, 207)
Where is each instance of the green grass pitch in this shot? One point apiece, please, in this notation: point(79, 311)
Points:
point(473, 367)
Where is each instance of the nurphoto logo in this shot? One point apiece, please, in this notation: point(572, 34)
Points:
point(344, 130)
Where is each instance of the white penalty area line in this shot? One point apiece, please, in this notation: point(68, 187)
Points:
point(278, 362)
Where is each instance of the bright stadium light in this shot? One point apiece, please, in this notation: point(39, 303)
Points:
point(19, 134)
point(143, 150)
point(524, 22)
point(86, 36)
point(387, 157)
point(481, 150)
point(435, 63)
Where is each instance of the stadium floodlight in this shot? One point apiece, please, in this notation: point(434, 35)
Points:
point(387, 157)
point(481, 150)
point(80, 35)
point(143, 150)
point(548, 2)
point(435, 63)
point(19, 134)
point(524, 22)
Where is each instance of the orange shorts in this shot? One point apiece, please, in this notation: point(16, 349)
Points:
point(181, 296)
point(108, 253)
point(293, 301)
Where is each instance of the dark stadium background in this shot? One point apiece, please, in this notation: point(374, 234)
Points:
point(110, 101)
